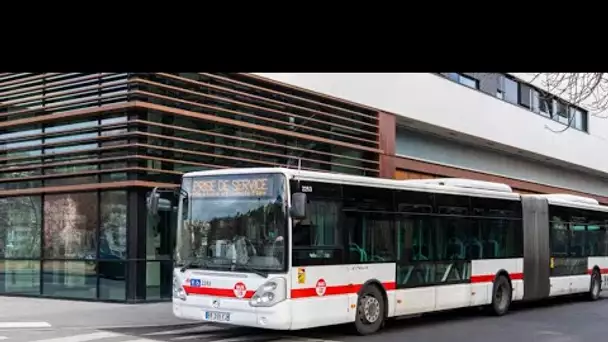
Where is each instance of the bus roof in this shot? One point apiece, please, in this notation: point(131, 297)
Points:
point(573, 201)
point(453, 186)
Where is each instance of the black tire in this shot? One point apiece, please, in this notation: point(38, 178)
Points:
point(595, 287)
point(371, 309)
point(502, 294)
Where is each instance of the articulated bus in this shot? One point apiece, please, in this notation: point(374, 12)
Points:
point(291, 249)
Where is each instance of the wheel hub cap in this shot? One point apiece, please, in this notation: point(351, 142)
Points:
point(371, 309)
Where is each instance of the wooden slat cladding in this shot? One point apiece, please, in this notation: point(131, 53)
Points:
point(198, 93)
point(261, 140)
point(61, 130)
point(295, 93)
point(186, 118)
point(245, 117)
point(246, 124)
point(85, 187)
point(32, 95)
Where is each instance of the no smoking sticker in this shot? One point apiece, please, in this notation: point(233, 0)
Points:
point(321, 287)
point(240, 290)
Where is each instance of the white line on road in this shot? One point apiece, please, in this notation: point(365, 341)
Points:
point(83, 338)
point(192, 337)
point(303, 339)
point(7, 325)
point(3, 338)
point(198, 328)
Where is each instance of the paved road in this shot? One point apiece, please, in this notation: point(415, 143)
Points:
point(563, 320)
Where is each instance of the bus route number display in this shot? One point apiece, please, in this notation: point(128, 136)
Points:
point(235, 187)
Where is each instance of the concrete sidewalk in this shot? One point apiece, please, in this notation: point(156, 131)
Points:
point(75, 314)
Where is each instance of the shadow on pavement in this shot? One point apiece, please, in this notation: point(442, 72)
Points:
point(456, 315)
point(340, 332)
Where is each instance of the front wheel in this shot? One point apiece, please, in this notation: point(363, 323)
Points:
point(370, 311)
point(501, 296)
point(596, 286)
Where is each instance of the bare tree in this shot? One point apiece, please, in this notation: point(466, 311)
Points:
point(585, 90)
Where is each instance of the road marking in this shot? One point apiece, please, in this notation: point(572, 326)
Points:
point(199, 328)
point(11, 325)
point(304, 339)
point(83, 338)
point(3, 338)
point(192, 337)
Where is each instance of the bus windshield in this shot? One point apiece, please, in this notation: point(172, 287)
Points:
point(233, 222)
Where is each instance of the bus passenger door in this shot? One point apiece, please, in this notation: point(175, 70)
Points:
point(320, 280)
point(370, 253)
point(414, 270)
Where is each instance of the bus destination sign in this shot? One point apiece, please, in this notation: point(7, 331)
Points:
point(257, 186)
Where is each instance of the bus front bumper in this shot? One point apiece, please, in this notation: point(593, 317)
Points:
point(235, 312)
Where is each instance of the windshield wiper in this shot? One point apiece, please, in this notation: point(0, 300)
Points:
point(194, 263)
point(257, 271)
point(199, 263)
point(233, 264)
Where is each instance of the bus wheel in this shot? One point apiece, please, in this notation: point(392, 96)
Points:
point(501, 296)
point(370, 311)
point(596, 286)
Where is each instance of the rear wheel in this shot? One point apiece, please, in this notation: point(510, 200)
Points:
point(501, 296)
point(370, 311)
point(596, 286)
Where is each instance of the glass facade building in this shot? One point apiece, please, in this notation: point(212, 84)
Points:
point(79, 153)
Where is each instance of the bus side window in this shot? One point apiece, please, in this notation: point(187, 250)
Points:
point(371, 237)
point(317, 239)
point(370, 224)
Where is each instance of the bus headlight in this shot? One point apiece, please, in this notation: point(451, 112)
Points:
point(270, 293)
point(178, 290)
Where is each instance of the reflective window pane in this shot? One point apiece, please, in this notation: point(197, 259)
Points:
point(158, 279)
point(76, 279)
point(112, 281)
point(511, 90)
point(71, 126)
point(113, 235)
point(70, 226)
point(20, 276)
point(20, 227)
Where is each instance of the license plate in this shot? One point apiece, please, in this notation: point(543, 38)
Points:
point(217, 316)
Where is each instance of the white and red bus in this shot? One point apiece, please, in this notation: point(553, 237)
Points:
point(291, 249)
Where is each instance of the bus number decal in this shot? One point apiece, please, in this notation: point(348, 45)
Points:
point(306, 188)
point(321, 287)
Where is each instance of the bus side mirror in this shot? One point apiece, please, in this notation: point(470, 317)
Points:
point(298, 205)
point(152, 202)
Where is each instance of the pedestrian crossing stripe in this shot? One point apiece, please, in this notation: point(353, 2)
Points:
point(21, 325)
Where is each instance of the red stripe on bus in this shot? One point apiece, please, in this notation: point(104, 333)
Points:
point(602, 271)
point(335, 290)
point(488, 278)
point(210, 291)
